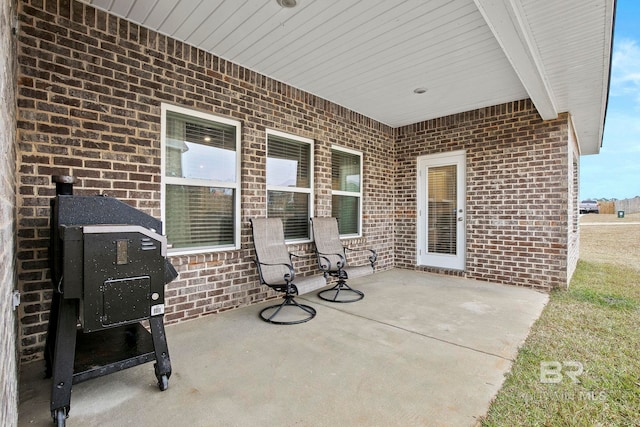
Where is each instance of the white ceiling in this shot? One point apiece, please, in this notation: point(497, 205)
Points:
point(370, 55)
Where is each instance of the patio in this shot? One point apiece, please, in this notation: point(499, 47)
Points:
point(419, 349)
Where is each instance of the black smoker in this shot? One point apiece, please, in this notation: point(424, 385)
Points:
point(109, 268)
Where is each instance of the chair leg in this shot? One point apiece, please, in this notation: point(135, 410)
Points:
point(352, 295)
point(269, 314)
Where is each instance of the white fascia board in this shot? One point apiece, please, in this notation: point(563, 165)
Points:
point(507, 22)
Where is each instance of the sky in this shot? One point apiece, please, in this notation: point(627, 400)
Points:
point(614, 173)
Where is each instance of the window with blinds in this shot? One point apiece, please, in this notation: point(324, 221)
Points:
point(201, 180)
point(289, 183)
point(442, 196)
point(346, 190)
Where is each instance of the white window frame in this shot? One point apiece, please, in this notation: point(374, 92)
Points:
point(165, 180)
point(309, 190)
point(351, 193)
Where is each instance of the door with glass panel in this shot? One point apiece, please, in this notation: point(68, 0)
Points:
point(441, 211)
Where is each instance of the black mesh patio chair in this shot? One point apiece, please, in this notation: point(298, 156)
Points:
point(275, 268)
point(332, 260)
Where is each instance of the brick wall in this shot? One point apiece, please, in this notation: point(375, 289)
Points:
point(90, 89)
point(8, 359)
point(517, 192)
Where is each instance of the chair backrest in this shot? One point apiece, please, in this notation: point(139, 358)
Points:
point(327, 239)
point(268, 241)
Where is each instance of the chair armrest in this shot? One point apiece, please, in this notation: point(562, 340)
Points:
point(288, 277)
point(339, 265)
point(325, 264)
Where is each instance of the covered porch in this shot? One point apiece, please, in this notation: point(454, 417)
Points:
point(517, 89)
point(419, 349)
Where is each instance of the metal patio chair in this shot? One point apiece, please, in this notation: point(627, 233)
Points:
point(332, 260)
point(275, 268)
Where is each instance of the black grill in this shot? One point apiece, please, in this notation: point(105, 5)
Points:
point(109, 269)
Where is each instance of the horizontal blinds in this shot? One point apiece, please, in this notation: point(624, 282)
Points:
point(347, 210)
point(288, 163)
point(200, 131)
point(201, 158)
point(345, 171)
point(199, 216)
point(293, 208)
point(346, 178)
point(199, 148)
point(442, 209)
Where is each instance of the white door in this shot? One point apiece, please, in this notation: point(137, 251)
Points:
point(441, 210)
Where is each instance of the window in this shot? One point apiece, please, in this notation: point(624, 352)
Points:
point(346, 186)
point(200, 180)
point(290, 183)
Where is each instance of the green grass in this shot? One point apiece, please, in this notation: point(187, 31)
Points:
point(595, 323)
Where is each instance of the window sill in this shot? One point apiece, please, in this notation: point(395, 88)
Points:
point(198, 251)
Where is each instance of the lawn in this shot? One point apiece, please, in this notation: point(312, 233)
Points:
point(580, 365)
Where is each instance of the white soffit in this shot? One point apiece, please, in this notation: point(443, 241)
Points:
point(370, 55)
point(574, 40)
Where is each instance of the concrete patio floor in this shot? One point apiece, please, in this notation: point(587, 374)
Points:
point(419, 350)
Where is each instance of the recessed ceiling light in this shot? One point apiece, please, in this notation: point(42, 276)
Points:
point(287, 3)
point(420, 90)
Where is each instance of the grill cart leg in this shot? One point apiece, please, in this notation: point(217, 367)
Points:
point(163, 363)
point(50, 344)
point(63, 358)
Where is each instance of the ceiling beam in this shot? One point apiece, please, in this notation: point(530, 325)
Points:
point(507, 22)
